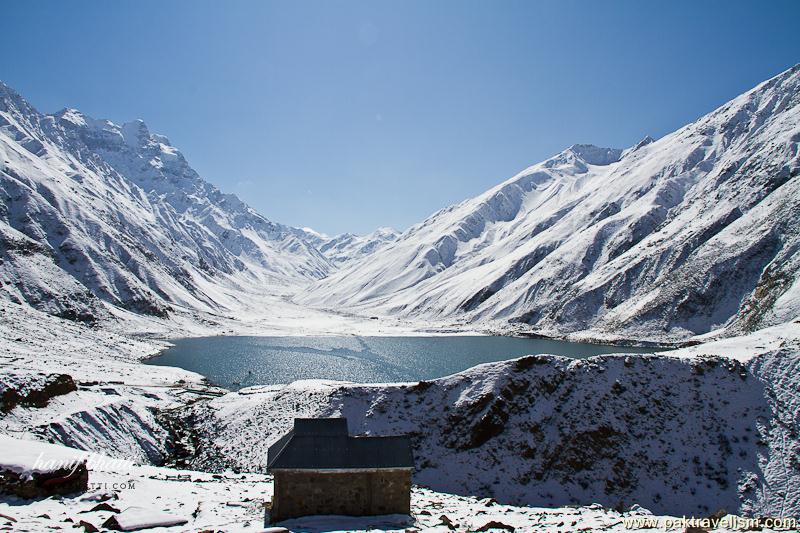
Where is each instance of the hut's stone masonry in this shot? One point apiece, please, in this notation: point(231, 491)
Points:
point(319, 469)
point(357, 493)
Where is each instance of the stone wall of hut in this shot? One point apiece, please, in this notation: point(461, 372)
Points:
point(353, 493)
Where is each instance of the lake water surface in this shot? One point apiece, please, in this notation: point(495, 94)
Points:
point(237, 362)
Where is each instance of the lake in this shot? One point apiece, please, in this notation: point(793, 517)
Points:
point(237, 362)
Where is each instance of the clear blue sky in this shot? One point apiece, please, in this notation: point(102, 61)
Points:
point(345, 116)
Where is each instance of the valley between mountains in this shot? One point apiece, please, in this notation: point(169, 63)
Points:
point(111, 244)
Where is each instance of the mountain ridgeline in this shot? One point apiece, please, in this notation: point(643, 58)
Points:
point(672, 238)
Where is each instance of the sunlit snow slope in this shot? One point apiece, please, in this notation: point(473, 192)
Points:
point(668, 239)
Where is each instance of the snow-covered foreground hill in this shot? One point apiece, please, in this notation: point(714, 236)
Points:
point(666, 240)
point(690, 431)
point(200, 501)
point(679, 434)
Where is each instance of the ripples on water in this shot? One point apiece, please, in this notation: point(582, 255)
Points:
point(237, 362)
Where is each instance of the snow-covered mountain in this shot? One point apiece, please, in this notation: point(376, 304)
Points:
point(349, 247)
point(91, 211)
point(668, 239)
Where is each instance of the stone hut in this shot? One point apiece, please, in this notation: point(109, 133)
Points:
point(319, 468)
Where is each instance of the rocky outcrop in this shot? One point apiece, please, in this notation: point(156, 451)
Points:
point(66, 479)
point(32, 390)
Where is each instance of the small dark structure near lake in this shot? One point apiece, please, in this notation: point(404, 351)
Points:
point(319, 468)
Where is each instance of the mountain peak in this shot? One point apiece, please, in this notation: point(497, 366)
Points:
point(315, 233)
point(596, 155)
point(72, 116)
point(5, 89)
point(8, 96)
point(135, 132)
point(641, 144)
point(386, 230)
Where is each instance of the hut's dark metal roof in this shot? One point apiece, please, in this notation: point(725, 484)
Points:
point(320, 426)
point(323, 444)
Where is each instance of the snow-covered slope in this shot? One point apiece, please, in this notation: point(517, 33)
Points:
point(681, 431)
point(234, 503)
point(667, 239)
point(93, 211)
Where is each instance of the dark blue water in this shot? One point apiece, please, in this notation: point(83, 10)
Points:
point(237, 362)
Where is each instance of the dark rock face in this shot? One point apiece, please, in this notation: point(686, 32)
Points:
point(67, 480)
point(496, 524)
point(36, 396)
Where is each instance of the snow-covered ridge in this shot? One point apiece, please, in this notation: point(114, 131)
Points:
point(95, 213)
point(692, 233)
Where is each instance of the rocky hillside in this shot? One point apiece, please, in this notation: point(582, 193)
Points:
point(664, 240)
